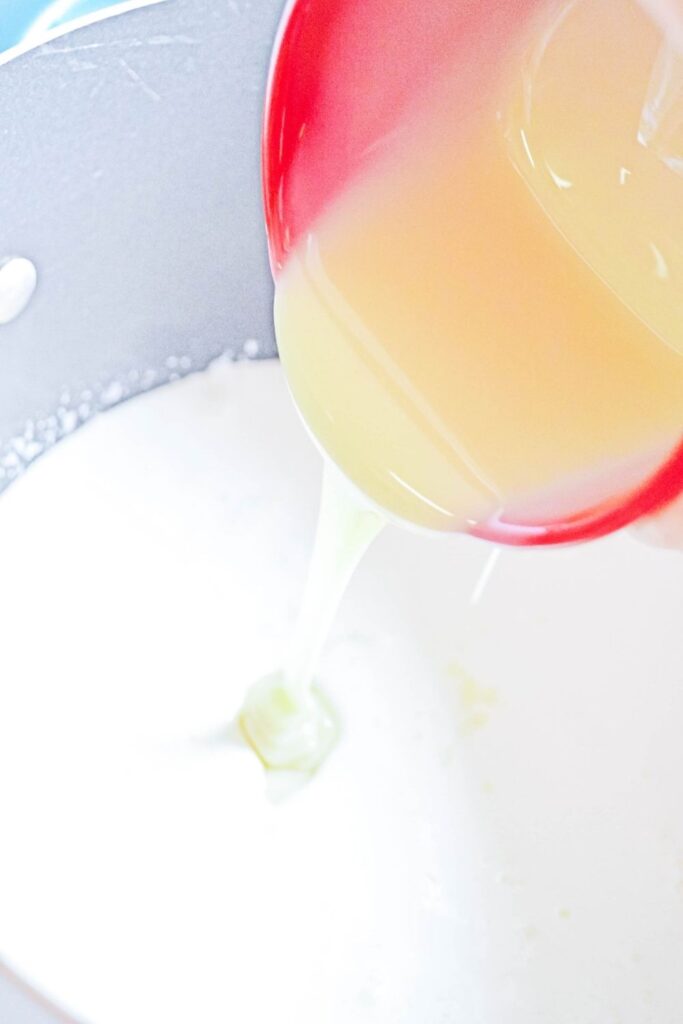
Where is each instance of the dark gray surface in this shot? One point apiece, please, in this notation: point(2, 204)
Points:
point(130, 170)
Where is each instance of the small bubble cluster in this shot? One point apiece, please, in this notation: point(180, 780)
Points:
point(76, 407)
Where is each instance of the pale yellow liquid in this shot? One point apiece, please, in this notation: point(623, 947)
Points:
point(482, 322)
point(492, 318)
point(286, 720)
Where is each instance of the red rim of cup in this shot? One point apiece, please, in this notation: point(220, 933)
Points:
point(657, 492)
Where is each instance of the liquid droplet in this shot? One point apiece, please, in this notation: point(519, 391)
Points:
point(18, 280)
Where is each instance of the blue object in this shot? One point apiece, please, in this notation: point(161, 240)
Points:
point(29, 21)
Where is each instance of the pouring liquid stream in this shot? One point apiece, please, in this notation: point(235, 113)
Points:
point(285, 718)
